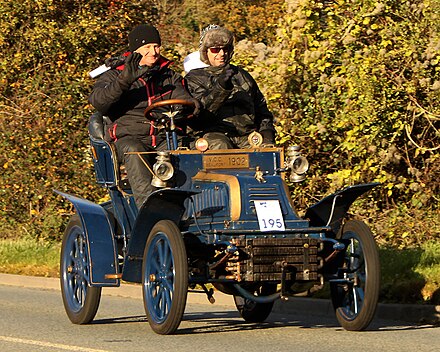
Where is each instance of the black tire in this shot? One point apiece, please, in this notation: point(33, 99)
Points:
point(81, 301)
point(253, 312)
point(355, 297)
point(165, 277)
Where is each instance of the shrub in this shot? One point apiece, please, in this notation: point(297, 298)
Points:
point(360, 94)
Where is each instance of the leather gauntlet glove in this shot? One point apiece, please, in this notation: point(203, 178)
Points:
point(225, 79)
point(268, 136)
point(132, 71)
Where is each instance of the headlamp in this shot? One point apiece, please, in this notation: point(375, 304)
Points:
point(163, 170)
point(296, 163)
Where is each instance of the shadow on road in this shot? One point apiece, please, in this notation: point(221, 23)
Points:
point(225, 322)
point(230, 321)
point(120, 320)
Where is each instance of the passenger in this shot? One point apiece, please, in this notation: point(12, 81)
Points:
point(136, 80)
point(233, 105)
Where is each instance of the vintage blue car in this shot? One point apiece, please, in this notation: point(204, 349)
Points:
point(222, 219)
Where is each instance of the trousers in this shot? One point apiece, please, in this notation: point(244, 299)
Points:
point(138, 166)
point(219, 140)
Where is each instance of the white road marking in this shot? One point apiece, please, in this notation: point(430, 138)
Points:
point(48, 344)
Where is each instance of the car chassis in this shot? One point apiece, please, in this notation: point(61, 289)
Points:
point(221, 218)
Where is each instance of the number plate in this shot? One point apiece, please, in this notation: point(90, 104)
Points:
point(230, 161)
point(269, 215)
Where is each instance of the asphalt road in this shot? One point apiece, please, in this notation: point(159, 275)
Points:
point(32, 318)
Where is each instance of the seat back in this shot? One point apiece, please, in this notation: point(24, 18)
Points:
point(96, 125)
point(103, 153)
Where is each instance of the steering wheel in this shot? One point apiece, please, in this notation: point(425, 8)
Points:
point(168, 102)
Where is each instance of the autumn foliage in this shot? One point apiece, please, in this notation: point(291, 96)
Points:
point(354, 83)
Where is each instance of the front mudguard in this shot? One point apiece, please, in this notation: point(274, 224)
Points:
point(331, 210)
point(98, 229)
point(164, 204)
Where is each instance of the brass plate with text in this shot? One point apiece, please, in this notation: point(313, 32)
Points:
point(229, 161)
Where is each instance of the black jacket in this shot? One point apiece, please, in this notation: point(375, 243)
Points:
point(236, 112)
point(125, 107)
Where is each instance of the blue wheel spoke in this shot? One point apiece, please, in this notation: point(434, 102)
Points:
point(84, 287)
point(168, 298)
point(75, 286)
point(163, 302)
point(82, 291)
point(155, 296)
point(160, 251)
point(76, 248)
point(166, 257)
point(77, 293)
point(352, 253)
point(169, 262)
point(155, 265)
point(355, 301)
point(169, 285)
point(81, 246)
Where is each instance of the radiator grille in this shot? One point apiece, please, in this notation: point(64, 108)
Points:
point(265, 258)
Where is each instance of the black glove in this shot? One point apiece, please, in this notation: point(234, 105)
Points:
point(132, 71)
point(225, 79)
point(268, 136)
point(197, 107)
point(114, 62)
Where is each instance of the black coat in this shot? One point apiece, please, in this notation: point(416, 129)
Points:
point(236, 112)
point(125, 107)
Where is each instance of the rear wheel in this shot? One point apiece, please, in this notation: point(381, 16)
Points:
point(81, 301)
point(252, 311)
point(356, 292)
point(165, 277)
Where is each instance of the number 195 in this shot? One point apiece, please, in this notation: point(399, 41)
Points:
point(271, 223)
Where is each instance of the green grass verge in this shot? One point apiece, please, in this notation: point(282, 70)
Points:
point(28, 257)
point(408, 276)
point(411, 275)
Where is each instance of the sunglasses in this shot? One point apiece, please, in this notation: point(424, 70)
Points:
point(215, 50)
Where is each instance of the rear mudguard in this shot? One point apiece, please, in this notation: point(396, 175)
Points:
point(100, 236)
point(164, 204)
point(331, 210)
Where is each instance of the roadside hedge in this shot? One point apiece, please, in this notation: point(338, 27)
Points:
point(354, 83)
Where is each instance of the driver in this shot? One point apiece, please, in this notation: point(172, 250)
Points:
point(137, 79)
point(233, 105)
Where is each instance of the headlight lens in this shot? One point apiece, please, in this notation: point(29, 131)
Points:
point(296, 163)
point(163, 170)
point(300, 165)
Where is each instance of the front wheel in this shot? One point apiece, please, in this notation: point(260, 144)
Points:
point(165, 277)
point(251, 311)
point(81, 301)
point(356, 292)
